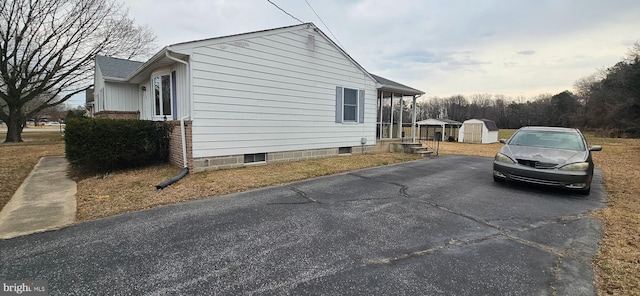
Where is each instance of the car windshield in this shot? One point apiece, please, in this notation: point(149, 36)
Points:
point(548, 139)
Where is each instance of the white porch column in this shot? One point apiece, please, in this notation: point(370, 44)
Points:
point(391, 121)
point(400, 117)
point(380, 111)
point(413, 121)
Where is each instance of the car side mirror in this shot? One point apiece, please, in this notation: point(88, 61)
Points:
point(595, 148)
point(503, 141)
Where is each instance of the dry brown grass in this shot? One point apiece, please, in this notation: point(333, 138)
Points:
point(618, 261)
point(617, 264)
point(133, 190)
point(487, 150)
point(18, 159)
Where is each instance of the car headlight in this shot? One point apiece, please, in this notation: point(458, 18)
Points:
point(503, 158)
point(578, 166)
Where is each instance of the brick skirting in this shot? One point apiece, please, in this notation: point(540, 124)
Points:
point(118, 114)
point(175, 144)
point(235, 161)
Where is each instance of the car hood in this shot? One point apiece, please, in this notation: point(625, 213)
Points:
point(545, 155)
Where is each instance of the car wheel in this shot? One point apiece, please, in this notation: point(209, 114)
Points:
point(585, 191)
point(497, 179)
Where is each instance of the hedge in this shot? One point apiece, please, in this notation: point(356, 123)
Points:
point(100, 144)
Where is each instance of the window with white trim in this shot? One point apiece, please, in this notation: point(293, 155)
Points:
point(349, 105)
point(162, 101)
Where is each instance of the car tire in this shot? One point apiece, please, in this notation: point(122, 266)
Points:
point(497, 179)
point(585, 191)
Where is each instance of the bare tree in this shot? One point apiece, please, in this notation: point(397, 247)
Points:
point(633, 54)
point(47, 49)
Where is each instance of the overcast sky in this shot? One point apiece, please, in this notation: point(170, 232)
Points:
point(510, 47)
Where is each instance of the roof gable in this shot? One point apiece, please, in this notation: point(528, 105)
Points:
point(490, 124)
point(185, 49)
point(115, 67)
point(204, 42)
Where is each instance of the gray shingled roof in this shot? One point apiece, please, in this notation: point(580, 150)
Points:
point(394, 85)
point(116, 68)
point(490, 124)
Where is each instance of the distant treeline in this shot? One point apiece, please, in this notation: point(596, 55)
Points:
point(608, 101)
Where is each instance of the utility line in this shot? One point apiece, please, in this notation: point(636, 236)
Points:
point(325, 25)
point(286, 12)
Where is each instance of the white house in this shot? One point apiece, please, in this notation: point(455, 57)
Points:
point(282, 94)
point(478, 131)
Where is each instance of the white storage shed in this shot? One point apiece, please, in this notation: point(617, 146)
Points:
point(478, 131)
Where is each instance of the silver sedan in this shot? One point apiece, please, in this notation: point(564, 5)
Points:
point(550, 156)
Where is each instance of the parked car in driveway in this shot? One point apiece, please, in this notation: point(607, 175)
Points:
point(54, 123)
point(551, 156)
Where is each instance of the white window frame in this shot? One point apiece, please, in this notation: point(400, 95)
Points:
point(160, 114)
point(344, 91)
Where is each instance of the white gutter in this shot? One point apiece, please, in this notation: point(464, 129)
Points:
point(166, 53)
point(184, 141)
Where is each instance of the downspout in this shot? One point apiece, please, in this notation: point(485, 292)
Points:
point(185, 168)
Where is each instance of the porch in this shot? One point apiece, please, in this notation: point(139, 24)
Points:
point(394, 112)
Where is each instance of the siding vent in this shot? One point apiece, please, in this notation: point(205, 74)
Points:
point(344, 150)
point(311, 42)
point(257, 157)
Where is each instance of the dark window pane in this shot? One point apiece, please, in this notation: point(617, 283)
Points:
point(344, 150)
point(258, 157)
point(350, 97)
point(156, 94)
point(350, 113)
point(166, 95)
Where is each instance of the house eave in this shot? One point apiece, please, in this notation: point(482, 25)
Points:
point(158, 60)
point(115, 79)
point(401, 90)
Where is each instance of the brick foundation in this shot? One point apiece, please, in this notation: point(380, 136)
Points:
point(235, 161)
point(175, 144)
point(118, 114)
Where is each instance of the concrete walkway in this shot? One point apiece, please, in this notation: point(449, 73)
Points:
point(46, 200)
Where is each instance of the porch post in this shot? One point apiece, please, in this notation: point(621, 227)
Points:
point(451, 131)
point(400, 117)
point(391, 121)
point(413, 121)
point(381, 97)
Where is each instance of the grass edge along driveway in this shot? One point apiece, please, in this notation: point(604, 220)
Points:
point(617, 265)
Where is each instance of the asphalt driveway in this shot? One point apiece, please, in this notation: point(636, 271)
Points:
point(437, 226)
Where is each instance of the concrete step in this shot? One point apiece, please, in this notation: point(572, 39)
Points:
point(422, 151)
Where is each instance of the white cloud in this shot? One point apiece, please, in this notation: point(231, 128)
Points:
point(443, 47)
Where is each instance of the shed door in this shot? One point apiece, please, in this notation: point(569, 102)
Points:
point(473, 133)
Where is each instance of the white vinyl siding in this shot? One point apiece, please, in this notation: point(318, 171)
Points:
point(182, 100)
point(120, 97)
point(273, 92)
